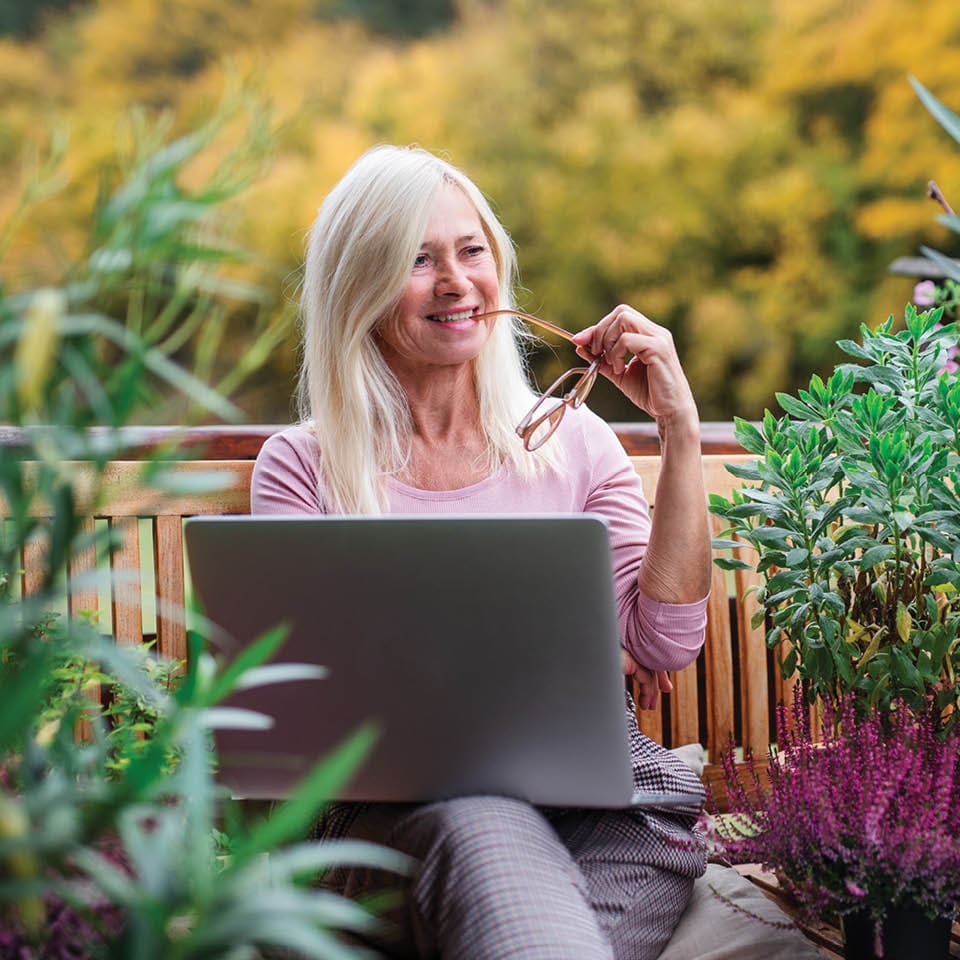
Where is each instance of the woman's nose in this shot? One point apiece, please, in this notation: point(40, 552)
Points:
point(452, 278)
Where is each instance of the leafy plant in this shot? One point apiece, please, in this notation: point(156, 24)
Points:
point(107, 847)
point(864, 819)
point(128, 719)
point(853, 516)
point(853, 512)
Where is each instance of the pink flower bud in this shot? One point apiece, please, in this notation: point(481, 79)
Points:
point(924, 293)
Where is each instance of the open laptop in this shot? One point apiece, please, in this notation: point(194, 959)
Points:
point(484, 648)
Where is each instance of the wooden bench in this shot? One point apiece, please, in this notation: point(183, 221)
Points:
point(730, 691)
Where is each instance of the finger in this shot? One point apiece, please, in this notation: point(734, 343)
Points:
point(664, 682)
point(647, 696)
point(585, 336)
point(630, 333)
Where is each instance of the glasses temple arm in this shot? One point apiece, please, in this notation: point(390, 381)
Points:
point(546, 324)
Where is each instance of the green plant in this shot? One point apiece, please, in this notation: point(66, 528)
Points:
point(128, 719)
point(110, 847)
point(853, 509)
point(853, 514)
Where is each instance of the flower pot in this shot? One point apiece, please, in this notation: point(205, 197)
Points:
point(906, 934)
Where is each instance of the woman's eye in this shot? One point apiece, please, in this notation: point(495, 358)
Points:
point(420, 260)
point(475, 251)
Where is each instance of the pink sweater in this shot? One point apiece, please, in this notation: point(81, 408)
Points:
point(599, 479)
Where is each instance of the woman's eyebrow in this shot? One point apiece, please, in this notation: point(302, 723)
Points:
point(466, 238)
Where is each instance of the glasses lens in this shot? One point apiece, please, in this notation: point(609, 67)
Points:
point(539, 425)
point(571, 388)
point(585, 384)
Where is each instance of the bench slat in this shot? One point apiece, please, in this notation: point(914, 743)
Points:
point(718, 661)
point(685, 707)
point(34, 551)
point(83, 597)
point(125, 586)
point(168, 567)
point(754, 687)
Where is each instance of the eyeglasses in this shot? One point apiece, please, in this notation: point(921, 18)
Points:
point(570, 389)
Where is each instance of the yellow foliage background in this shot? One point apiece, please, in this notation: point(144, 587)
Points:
point(741, 170)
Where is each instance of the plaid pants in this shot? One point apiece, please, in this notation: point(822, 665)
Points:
point(501, 879)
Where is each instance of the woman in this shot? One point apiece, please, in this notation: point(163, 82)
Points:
point(411, 394)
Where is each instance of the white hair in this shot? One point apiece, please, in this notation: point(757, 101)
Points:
point(359, 255)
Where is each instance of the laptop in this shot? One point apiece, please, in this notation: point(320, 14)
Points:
point(484, 649)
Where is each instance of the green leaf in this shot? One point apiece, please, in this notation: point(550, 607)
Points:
point(749, 437)
point(720, 543)
point(728, 563)
point(772, 535)
point(949, 266)
point(262, 649)
point(279, 673)
point(797, 408)
point(854, 349)
point(941, 113)
point(293, 819)
point(745, 471)
point(873, 556)
point(233, 718)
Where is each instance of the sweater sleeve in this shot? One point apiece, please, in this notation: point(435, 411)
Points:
point(285, 475)
point(657, 634)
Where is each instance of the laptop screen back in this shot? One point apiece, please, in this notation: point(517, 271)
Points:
point(484, 649)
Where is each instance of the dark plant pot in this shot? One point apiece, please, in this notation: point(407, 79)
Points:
point(907, 934)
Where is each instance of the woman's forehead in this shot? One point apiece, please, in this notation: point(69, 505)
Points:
point(452, 217)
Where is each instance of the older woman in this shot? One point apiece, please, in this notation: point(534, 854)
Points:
point(412, 389)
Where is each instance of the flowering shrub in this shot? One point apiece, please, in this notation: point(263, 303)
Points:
point(866, 819)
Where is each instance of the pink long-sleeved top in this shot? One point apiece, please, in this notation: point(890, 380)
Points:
point(598, 478)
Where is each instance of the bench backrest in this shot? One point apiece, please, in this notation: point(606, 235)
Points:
point(729, 691)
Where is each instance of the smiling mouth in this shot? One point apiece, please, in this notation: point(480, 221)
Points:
point(452, 317)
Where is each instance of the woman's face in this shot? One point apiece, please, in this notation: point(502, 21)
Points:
point(452, 280)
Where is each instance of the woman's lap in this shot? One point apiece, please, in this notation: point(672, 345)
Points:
point(500, 878)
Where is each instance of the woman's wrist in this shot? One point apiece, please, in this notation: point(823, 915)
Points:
point(680, 427)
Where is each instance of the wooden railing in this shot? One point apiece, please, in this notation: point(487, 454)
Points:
point(244, 442)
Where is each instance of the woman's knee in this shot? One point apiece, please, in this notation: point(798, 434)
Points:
point(469, 826)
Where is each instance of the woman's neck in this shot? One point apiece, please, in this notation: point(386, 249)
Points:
point(448, 448)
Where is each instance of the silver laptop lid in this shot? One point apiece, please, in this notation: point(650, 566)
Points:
point(484, 648)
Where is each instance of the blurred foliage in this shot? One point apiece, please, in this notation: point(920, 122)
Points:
point(24, 17)
point(158, 255)
point(411, 18)
point(109, 842)
point(744, 173)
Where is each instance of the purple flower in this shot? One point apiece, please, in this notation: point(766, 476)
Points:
point(865, 818)
point(925, 293)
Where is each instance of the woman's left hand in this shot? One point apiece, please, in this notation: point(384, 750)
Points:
point(640, 358)
point(649, 684)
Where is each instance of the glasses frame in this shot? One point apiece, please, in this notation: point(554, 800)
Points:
point(549, 409)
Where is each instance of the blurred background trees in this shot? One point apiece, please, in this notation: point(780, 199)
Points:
point(742, 171)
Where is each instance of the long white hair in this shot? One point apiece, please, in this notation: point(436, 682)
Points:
point(359, 255)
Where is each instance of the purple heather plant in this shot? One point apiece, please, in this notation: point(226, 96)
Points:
point(866, 818)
